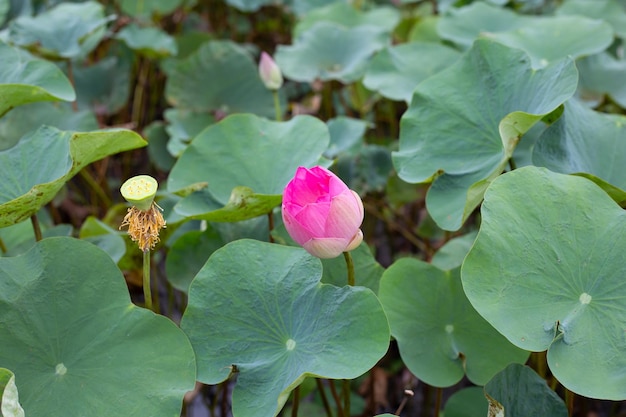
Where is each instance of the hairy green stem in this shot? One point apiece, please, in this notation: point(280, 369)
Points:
point(35, 221)
point(147, 291)
point(350, 267)
point(277, 109)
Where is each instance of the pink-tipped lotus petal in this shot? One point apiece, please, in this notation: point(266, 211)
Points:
point(325, 248)
point(321, 213)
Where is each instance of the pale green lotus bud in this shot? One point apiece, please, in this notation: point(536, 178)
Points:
point(269, 72)
point(140, 191)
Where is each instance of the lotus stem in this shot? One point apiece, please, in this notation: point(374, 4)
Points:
point(36, 227)
point(350, 267)
point(147, 291)
point(279, 113)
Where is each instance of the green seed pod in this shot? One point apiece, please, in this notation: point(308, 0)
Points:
point(140, 191)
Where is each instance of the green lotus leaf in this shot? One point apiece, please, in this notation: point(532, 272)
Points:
point(467, 402)
point(91, 347)
point(182, 126)
point(149, 7)
point(602, 74)
point(610, 11)
point(24, 119)
point(151, 42)
point(103, 87)
point(545, 39)
point(546, 271)
point(468, 141)
point(465, 24)
point(246, 150)
point(26, 79)
point(9, 401)
point(503, 393)
point(253, 5)
point(569, 36)
point(397, 70)
point(383, 18)
point(274, 323)
point(58, 156)
point(103, 236)
point(157, 138)
point(243, 204)
point(583, 141)
point(188, 254)
point(346, 134)
point(451, 255)
point(240, 89)
point(65, 31)
point(425, 30)
point(302, 7)
point(440, 336)
point(328, 51)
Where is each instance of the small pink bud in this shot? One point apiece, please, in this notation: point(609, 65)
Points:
point(321, 213)
point(269, 72)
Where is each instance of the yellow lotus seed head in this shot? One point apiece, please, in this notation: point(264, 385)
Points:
point(140, 191)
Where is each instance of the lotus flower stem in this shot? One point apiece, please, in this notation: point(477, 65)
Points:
point(569, 401)
point(333, 391)
point(512, 164)
point(36, 227)
point(346, 397)
point(147, 291)
point(320, 388)
point(3, 247)
point(279, 113)
point(296, 402)
point(350, 267)
point(438, 398)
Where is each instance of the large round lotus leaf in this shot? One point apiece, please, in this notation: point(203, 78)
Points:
point(103, 87)
point(274, 323)
point(383, 18)
point(188, 255)
point(451, 255)
point(568, 36)
point(503, 393)
point(547, 271)
point(62, 32)
point(182, 126)
point(468, 402)
point(147, 7)
point(74, 340)
point(465, 24)
point(239, 90)
point(583, 141)
point(302, 7)
point(9, 398)
point(246, 150)
point(608, 10)
point(603, 74)
point(24, 119)
point(440, 335)
point(461, 142)
point(25, 79)
point(103, 236)
point(346, 135)
point(545, 39)
point(43, 160)
point(328, 51)
point(396, 70)
point(151, 42)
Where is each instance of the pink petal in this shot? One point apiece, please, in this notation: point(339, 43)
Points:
point(314, 218)
point(325, 248)
point(355, 242)
point(345, 216)
point(298, 232)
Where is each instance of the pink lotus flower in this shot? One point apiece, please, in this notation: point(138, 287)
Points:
point(321, 213)
point(269, 72)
